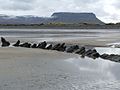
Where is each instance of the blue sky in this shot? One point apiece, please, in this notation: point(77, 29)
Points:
point(106, 10)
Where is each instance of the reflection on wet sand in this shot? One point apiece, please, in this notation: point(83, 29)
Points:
point(104, 73)
point(36, 69)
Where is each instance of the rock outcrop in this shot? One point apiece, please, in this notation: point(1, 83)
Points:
point(17, 44)
point(82, 51)
point(71, 49)
point(4, 42)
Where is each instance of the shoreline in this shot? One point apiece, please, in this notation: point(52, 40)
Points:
point(60, 27)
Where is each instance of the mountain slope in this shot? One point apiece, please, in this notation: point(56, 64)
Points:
point(67, 17)
point(60, 17)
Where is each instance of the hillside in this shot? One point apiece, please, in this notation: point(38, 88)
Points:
point(60, 17)
point(66, 17)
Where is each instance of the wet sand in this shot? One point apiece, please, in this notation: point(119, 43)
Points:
point(36, 69)
point(94, 37)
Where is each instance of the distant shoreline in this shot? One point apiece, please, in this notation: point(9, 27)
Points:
point(59, 26)
point(72, 26)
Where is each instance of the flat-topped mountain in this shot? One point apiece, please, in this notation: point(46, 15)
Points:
point(60, 17)
point(67, 17)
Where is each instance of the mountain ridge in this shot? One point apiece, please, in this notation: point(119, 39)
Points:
point(57, 17)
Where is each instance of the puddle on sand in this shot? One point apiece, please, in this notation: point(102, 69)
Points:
point(108, 50)
point(98, 74)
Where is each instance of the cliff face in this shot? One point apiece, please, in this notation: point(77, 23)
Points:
point(61, 17)
point(76, 18)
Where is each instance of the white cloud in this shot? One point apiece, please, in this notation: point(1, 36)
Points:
point(106, 10)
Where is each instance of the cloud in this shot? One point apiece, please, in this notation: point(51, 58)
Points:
point(16, 4)
point(106, 10)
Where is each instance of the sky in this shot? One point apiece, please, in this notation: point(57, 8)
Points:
point(106, 10)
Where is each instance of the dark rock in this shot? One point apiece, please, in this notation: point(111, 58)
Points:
point(62, 47)
point(56, 46)
point(89, 52)
point(29, 45)
point(34, 45)
point(95, 55)
point(92, 53)
point(72, 48)
point(105, 56)
point(81, 51)
point(49, 47)
point(42, 45)
point(4, 42)
point(39, 45)
point(112, 57)
point(17, 43)
point(94, 50)
point(26, 44)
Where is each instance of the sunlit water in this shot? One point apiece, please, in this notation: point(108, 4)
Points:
point(57, 34)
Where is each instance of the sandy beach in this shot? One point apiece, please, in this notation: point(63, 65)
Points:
point(36, 69)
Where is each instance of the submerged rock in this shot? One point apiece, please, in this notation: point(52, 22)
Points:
point(17, 43)
point(4, 42)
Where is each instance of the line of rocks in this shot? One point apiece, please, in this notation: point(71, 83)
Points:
point(91, 53)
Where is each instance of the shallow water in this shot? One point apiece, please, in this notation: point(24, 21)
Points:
point(33, 69)
point(58, 34)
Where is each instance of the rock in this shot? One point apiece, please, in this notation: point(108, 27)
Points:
point(112, 57)
point(92, 53)
point(42, 45)
point(26, 44)
point(89, 52)
point(29, 45)
point(94, 50)
point(39, 45)
point(81, 51)
point(62, 47)
point(95, 55)
point(17, 43)
point(55, 47)
point(4, 42)
point(34, 45)
point(72, 48)
point(104, 56)
point(49, 47)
